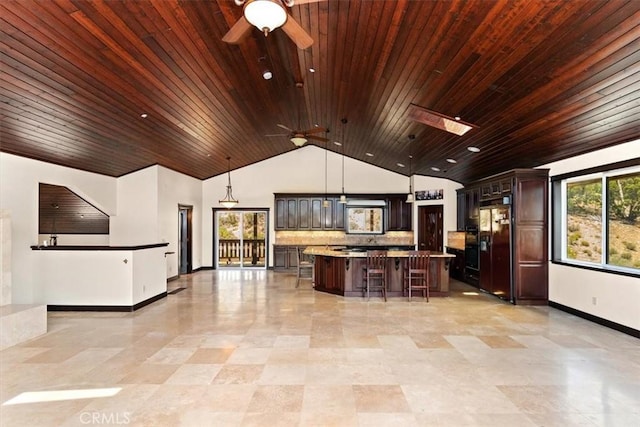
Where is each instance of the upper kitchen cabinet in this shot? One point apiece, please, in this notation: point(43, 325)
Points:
point(308, 212)
point(399, 213)
point(468, 207)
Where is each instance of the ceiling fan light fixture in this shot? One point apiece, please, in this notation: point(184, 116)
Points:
point(298, 140)
point(266, 15)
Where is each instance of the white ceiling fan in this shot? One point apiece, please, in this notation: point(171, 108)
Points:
point(267, 15)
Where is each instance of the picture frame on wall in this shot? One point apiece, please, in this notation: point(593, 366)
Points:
point(430, 194)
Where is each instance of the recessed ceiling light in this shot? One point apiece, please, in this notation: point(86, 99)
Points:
point(368, 154)
point(457, 117)
point(400, 164)
point(452, 161)
point(143, 115)
point(433, 168)
point(473, 149)
point(267, 75)
point(337, 143)
point(312, 70)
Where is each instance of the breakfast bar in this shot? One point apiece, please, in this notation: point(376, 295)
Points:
point(341, 271)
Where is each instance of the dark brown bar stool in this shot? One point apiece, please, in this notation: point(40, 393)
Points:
point(416, 273)
point(375, 273)
point(305, 263)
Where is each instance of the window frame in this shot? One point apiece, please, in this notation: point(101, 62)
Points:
point(559, 215)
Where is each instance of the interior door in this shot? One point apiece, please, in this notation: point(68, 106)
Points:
point(184, 236)
point(430, 225)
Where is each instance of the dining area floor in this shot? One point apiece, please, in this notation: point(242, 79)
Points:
point(248, 348)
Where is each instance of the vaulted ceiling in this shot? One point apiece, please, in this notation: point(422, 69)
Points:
point(541, 80)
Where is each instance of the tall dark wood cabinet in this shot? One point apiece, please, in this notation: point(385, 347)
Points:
point(524, 194)
point(530, 236)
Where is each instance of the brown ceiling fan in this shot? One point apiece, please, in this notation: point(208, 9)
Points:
point(267, 15)
point(300, 137)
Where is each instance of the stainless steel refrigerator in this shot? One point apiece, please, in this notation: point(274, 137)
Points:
point(495, 250)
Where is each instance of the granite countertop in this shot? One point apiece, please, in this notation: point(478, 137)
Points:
point(323, 251)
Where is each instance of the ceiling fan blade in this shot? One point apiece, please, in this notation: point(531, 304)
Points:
point(285, 128)
point(317, 138)
point(299, 2)
point(315, 130)
point(297, 33)
point(238, 32)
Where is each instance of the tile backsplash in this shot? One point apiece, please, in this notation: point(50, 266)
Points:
point(340, 238)
point(455, 239)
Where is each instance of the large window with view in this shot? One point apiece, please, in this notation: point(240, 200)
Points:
point(597, 219)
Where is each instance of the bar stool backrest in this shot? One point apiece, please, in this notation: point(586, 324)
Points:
point(376, 261)
point(418, 261)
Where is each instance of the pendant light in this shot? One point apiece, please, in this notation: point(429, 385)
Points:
point(325, 203)
point(343, 196)
point(410, 195)
point(228, 201)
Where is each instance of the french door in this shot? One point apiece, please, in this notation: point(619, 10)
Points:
point(241, 239)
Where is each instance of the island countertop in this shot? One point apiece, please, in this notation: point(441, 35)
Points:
point(341, 272)
point(357, 253)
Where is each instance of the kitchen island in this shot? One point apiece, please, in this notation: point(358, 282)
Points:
point(341, 272)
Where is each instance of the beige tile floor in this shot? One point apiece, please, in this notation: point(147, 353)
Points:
point(249, 349)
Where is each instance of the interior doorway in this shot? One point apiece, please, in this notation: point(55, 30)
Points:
point(241, 239)
point(430, 228)
point(185, 264)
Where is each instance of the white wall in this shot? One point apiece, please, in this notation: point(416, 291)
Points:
point(617, 297)
point(177, 189)
point(303, 171)
point(19, 179)
point(449, 201)
point(136, 221)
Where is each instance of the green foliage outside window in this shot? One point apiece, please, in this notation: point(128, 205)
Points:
point(584, 228)
point(624, 198)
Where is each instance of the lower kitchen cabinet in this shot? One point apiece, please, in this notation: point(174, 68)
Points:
point(457, 265)
point(285, 258)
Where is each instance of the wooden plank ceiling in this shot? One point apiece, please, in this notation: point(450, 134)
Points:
point(542, 80)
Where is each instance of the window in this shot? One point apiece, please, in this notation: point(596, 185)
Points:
point(596, 219)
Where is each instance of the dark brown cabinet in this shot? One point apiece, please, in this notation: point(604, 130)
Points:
point(472, 206)
point(461, 214)
point(525, 224)
point(398, 213)
point(285, 257)
point(308, 212)
point(457, 265)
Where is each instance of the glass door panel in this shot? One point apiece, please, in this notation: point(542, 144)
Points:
point(253, 239)
point(241, 239)
point(229, 239)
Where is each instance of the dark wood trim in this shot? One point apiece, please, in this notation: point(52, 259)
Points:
point(202, 268)
point(172, 278)
point(112, 308)
point(98, 248)
point(599, 320)
point(597, 169)
point(149, 301)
